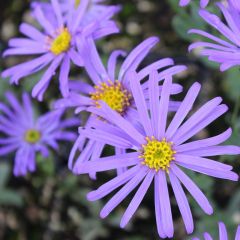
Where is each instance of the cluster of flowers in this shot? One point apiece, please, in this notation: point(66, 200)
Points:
point(129, 109)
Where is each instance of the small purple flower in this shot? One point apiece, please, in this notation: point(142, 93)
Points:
point(113, 88)
point(203, 3)
point(222, 233)
point(56, 45)
point(158, 152)
point(95, 10)
point(225, 50)
point(22, 131)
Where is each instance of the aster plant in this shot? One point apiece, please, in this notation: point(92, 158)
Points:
point(203, 3)
point(113, 88)
point(222, 233)
point(157, 152)
point(225, 49)
point(25, 133)
point(56, 45)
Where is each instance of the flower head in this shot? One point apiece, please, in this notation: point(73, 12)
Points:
point(113, 88)
point(224, 50)
point(158, 152)
point(55, 44)
point(26, 134)
point(203, 3)
point(222, 233)
point(95, 10)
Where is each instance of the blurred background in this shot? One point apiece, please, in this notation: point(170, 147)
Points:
point(51, 203)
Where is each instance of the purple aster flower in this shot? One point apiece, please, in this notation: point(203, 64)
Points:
point(159, 152)
point(95, 10)
point(56, 45)
point(26, 134)
point(203, 3)
point(113, 88)
point(222, 233)
point(225, 50)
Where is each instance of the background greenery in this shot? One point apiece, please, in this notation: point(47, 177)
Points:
point(51, 204)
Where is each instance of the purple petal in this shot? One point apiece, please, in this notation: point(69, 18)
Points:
point(193, 189)
point(202, 162)
point(46, 77)
point(43, 21)
point(165, 204)
point(96, 154)
point(202, 118)
point(28, 108)
point(123, 192)
point(154, 102)
point(8, 149)
point(106, 138)
point(216, 22)
point(24, 161)
point(112, 63)
point(31, 32)
point(137, 55)
point(108, 163)
point(58, 12)
point(182, 203)
point(238, 233)
point(64, 75)
point(212, 141)
point(183, 110)
point(154, 66)
point(73, 152)
point(163, 107)
point(137, 199)
point(215, 151)
point(27, 68)
point(223, 174)
point(107, 113)
point(140, 104)
point(79, 15)
point(207, 236)
point(84, 156)
point(222, 231)
point(158, 213)
point(113, 184)
point(212, 37)
point(76, 57)
point(184, 3)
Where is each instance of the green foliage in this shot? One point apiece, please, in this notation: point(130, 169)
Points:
point(8, 196)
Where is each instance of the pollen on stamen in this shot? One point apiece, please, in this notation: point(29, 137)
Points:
point(113, 94)
point(61, 43)
point(157, 154)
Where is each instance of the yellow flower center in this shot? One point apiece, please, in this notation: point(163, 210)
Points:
point(157, 154)
point(113, 94)
point(77, 2)
point(32, 136)
point(62, 42)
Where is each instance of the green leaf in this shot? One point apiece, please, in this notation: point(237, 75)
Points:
point(231, 83)
point(4, 174)
point(10, 198)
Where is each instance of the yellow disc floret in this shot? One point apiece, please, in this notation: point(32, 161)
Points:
point(113, 94)
point(157, 154)
point(62, 42)
point(32, 136)
point(77, 2)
